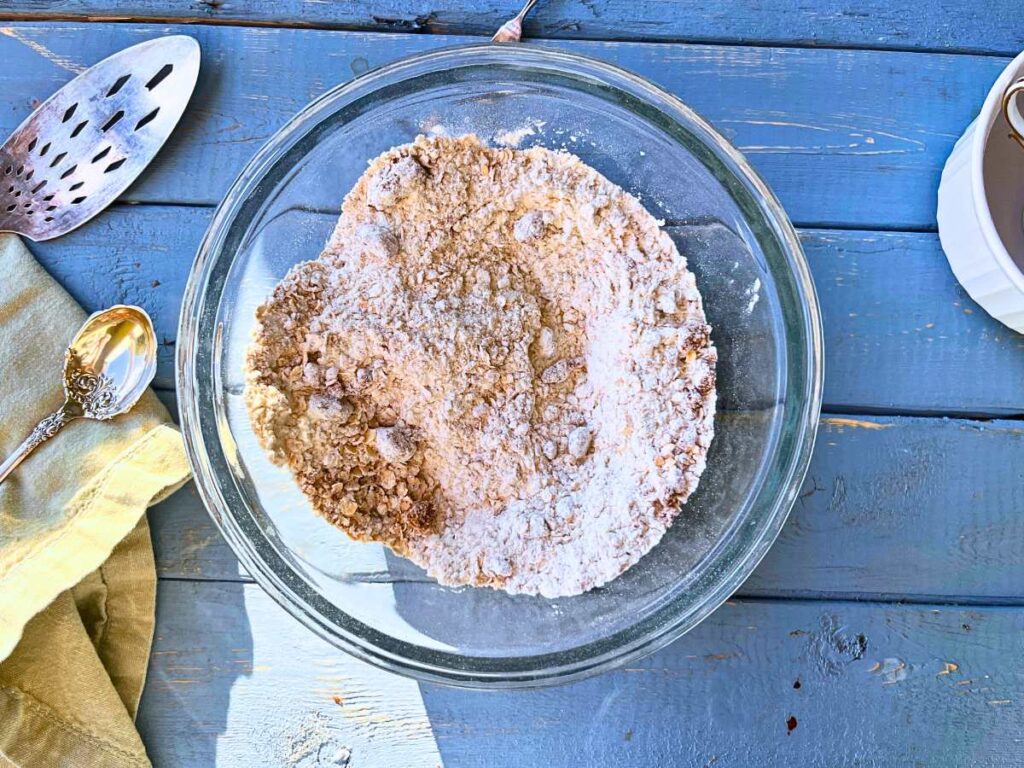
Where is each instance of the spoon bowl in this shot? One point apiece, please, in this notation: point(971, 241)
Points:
point(110, 362)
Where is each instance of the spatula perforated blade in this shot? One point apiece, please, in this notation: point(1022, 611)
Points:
point(84, 145)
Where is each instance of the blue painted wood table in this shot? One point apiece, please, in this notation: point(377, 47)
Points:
point(886, 627)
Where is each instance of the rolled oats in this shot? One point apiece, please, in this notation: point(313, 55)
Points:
point(499, 366)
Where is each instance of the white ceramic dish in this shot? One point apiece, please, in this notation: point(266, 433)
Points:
point(981, 204)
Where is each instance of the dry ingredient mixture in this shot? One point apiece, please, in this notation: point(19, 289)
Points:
point(499, 367)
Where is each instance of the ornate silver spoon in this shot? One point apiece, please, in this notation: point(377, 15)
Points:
point(108, 366)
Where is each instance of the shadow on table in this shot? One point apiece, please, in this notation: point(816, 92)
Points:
point(203, 645)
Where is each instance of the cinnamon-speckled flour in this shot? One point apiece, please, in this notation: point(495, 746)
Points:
point(499, 366)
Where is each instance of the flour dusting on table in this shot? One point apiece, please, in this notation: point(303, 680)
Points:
point(499, 366)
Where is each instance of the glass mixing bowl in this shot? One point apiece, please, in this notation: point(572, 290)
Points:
point(759, 299)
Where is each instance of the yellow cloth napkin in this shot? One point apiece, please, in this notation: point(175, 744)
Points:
point(77, 581)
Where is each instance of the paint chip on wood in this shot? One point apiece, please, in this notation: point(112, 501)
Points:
point(841, 423)
point(892, 670)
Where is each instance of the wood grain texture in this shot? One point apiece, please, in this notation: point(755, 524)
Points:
point(131, 255)
point(846, 138)
point(964, 25)
point(919, 509)
point(900, 334)
point(879, 685)
point(907, 508)
point(234, 681)
point(898, 326)
point(818, 684)
point(927, 508)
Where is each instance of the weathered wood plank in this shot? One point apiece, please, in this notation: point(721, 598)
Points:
point(233, 681)
point(850, 138)
point(920, 507)
point(131, 255)
point(187, 543)
point(924, 509)
point(772, 684)
point(965, 25)
point(900, 334)
point(826, 684)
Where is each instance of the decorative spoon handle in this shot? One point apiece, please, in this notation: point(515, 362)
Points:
point(108, 366)
point(44, 430)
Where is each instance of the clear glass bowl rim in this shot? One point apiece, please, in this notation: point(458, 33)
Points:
point(197, 355)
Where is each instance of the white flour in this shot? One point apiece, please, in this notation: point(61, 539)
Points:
point(515, 137)
point(499, 366)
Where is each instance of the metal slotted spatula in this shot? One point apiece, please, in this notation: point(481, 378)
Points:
point(84, 145)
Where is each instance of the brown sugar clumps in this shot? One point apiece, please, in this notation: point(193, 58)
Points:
point(499, 366)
